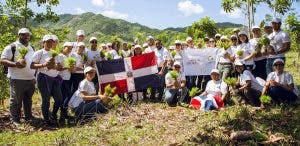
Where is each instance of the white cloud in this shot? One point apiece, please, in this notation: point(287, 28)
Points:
point(103, 3)
point(114, 14)
point(236, 13)
point(188, 8)
point(79, 10)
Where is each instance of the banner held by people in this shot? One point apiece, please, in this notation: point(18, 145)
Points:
point(129, 74)
point(199, 61)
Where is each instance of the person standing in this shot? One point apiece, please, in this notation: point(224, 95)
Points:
point(245, 51)
point(21, 77)
point(280, 40)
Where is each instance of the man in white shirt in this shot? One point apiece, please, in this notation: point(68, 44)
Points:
point(162, 56)
point(280, 84)
point(21, 77)
point(280, 41)
point(151, 44)
point(80, 36)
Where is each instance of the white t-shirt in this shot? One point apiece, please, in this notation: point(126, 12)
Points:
point(93, 55)
point(277, 39)
point(170, 80)
point(149, 49)
point(126, 53)
point(19, 73)
point(86, 86)
point(214, 88)
point(254, 42)
point(162, 55)
point(79, 62)
point(248, 50)
point(114, 54)
point(246, 76)
point(41, 57)
point(65, 74)
point(285, 78)
point(74, 49)
point(221, 55)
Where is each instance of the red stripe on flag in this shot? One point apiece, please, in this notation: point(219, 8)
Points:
point(120, 84)
point(142, 61)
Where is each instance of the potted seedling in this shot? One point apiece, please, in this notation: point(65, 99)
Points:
point(108, 56)
point(231, 82)
point(240, 53)
point(262, 45)
point(265, 100)
point(70, 63)
point(174, 75)
point(173, 53)
point(54, 53)
point(21, 57)
point(109, 98)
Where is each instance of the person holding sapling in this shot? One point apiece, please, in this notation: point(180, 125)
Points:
point(280, 84)
point(214, 95)
point(176, 89)
point(224, 58)
point(80, 36)
point(247, 87)
point(85, 100)
point(17, 57)
point(259, 43)
point(77, 76)
point(68, 65)
point(48, 79)
point(245, 51)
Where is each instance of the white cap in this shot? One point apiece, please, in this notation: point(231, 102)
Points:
point(54, 37)
point(189, 39)
point(184, 43)
point(267, 25)
point(172, 47)
point(211, 39)
point(137, 46)
point(80, 44)
point(68, 44)
point(47, 37)
point(215, 71)
point(233, 36)
point(177, 42)
point(93, 38)
point(276, 20)
point(79, 32)
point(88, 69)
point(255, 27)
point(224, 37)
point(103, 45)
point(278, 60)
point(238, 63)
point(23, 30)
point(218, 35)
point(235, 29)
point(109, 44)
point(242, 33)
point(149, 37)
point(145, 45)
point(177, 63)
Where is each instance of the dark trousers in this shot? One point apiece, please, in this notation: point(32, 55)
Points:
point(49, 87)
point(66, 95)
point(76, 78)
point(160, 88)
point(260, 69)
point(251, 95)
point(90, 108)
point(21, 92)
point(279, 94)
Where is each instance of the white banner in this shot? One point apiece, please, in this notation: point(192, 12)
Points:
point(199, 61)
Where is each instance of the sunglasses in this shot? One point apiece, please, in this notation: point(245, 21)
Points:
point(94, 42)
point(211, 41)
point(233, 39)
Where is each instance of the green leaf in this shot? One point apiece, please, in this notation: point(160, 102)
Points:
point(70, 62)
point(194, 91)
point(22, 52)
point(265, 99)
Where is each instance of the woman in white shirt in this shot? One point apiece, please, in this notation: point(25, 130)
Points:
point(247, 50)
point(85, 100)
point(48, 80)
point(77, 76)
point(248, 86)
point(214, 95)
point(280, 84)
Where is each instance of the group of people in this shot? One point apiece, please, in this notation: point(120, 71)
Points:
point(258, 71)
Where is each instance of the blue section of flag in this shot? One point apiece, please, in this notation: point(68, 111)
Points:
point(144, 82)
point(110, 66)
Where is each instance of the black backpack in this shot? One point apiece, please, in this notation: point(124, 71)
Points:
point(13, 50)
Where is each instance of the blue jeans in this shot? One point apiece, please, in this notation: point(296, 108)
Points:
point(280, 94)
point(172, 96)
point(90, 108)
point(269, 64)
point(48, 87)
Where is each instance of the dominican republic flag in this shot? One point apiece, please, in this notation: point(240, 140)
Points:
point(129, 74)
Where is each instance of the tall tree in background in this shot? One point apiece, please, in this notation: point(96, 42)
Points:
point(20, 13)
point(202, 28)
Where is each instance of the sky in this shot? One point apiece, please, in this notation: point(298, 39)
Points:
point(160, 14)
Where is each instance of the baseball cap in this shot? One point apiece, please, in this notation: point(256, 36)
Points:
point(276, 20)
point(88, 69)
point(79, 32)
point(278, 60)
point(177, 42)
point(23, 30)
point(93, 38)
point(215, 71)
point(177, 63)
point(80, 44)
point(255, 27)
point(238, 63)
point(242, 33)
point(67, 44)
point(47, 37)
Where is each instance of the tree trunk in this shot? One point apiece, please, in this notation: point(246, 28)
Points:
point(248, 16)
point(252, 12)
point(25, 15)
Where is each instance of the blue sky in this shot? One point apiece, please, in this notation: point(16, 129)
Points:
point(159, 13)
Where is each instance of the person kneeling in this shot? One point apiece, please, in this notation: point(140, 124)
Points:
point(175, 86)
point(214, 95)
point(280, 84)
point(85, 100)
